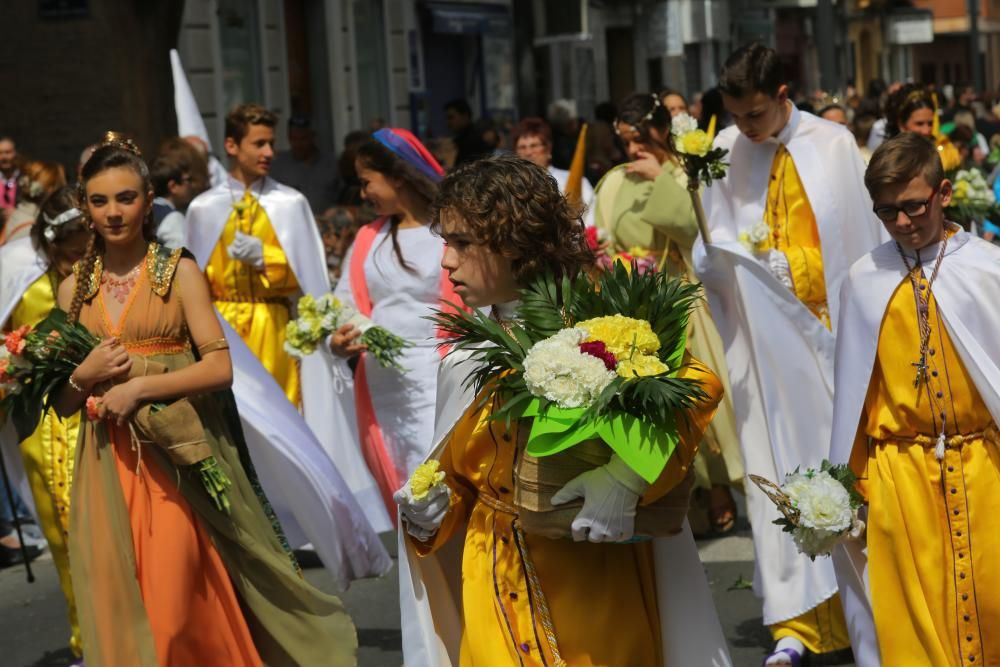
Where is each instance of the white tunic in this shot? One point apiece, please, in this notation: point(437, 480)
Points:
point(403, 401)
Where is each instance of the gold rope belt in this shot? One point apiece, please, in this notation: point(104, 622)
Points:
point(497, 504)
point(990, 433)
point(940, 443)
point(236, 298)
point(534, 585)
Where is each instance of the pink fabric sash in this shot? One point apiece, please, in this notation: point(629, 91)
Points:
point(373, 447)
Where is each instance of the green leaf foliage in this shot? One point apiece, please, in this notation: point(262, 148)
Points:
point(550, 304)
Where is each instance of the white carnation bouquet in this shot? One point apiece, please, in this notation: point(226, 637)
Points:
point(318, 318)
point(819, 507)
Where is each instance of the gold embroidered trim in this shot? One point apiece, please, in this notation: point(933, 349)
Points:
point(161, 264)
point(159, 345)
point(236, 298)
point(95, 277)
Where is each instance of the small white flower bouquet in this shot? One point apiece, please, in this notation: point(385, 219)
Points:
point(819, 507)
point(318, 318)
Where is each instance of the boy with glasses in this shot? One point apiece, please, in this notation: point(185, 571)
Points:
point(917, 397)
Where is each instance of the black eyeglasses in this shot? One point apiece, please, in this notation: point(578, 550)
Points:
point(913, 208)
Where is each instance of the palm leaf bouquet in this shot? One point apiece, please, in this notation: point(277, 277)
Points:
point(588, 358)
point(36, 361)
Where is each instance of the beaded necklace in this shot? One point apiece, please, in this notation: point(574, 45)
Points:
point(121, 287)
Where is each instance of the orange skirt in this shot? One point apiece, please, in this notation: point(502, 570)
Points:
point(193, 611)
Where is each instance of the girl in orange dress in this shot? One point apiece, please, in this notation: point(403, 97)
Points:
point(164, 577)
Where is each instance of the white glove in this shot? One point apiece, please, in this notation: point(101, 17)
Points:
point(423, 517)
point(247, 249)
point(777, 264)
point(610, 496)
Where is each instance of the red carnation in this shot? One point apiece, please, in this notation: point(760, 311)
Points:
point(592, 241)
point(598, 349)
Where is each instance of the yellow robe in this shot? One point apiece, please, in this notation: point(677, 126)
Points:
point(48, 455)
point(602, 597)
point(257, 303)
point(794, 232)
point(931, 557)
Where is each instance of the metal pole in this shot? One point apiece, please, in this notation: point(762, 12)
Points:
point(975, 68)
point(17, 521)
point(823, 28)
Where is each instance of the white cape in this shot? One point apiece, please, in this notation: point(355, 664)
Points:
point(430, 588)
point(965, 290)
point(292, 220)
point(20, 266)
point(780, 356)
point(305, 488)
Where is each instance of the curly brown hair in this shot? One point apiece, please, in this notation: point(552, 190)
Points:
point(514, 207)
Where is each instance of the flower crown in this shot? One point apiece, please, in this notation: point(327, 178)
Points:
point(645, 119)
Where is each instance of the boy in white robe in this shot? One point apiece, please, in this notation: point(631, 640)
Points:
point(786, 222)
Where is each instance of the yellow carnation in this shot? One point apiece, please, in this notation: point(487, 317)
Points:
point(424, 478)
point(622, 335)
point(307, 305)
point(695, 142)
point(641, 365)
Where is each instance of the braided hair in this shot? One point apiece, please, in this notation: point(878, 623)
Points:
point(116, 150)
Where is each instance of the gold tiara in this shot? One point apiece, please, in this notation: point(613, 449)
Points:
point(119, 140)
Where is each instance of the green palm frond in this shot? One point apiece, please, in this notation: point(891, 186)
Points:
point(550, 304)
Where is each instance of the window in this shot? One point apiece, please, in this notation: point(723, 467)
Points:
point(239, 39)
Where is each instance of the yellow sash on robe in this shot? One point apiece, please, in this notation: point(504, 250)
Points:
point(794, 232)
point(256, 303)
point(48, 455)
point(932, 541)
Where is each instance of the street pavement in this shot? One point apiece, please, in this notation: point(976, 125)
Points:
point(33, 627)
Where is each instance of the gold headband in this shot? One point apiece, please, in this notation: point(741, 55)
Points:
point(119, 140)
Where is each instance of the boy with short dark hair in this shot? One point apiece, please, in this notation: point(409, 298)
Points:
point(475, 588)
point(786, 222)
point(917, 398)
point(260, 248)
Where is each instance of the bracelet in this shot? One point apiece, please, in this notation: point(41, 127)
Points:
point(213, 346)
point(75, 385)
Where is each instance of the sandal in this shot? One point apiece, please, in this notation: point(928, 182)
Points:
point(722, 515)
point(794, 656)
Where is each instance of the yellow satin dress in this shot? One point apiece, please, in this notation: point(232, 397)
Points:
point(257, 304)
point(601, 597)
point(794, 232)
point(932, 540)
point(48, 455)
